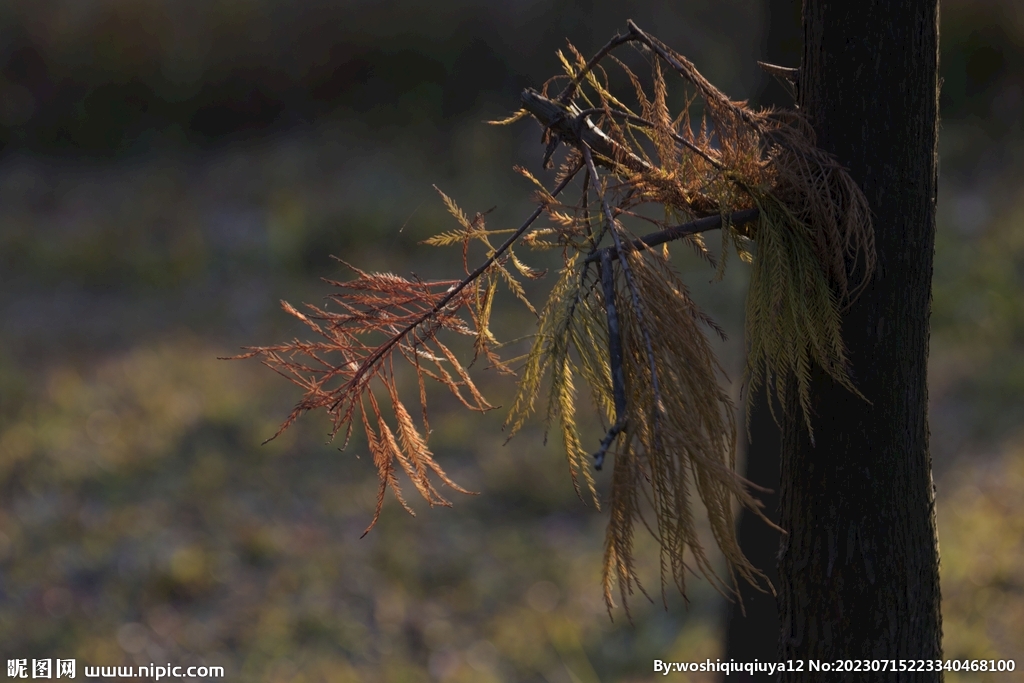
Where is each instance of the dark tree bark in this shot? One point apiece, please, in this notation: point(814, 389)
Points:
point(859, 569)
point(753, 632)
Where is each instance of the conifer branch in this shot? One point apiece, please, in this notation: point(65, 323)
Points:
point(643, 350)
point(384, 348)
point(567, 95)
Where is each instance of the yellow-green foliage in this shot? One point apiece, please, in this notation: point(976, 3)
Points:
point(549, 354)
point(792, 311)
point(682, 437)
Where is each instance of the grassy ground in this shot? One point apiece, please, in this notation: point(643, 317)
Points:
point(143, 522)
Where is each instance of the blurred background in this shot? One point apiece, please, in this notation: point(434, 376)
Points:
point(170, 170)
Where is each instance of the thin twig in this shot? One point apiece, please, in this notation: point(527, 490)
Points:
point(586, 210)
point(615, 358)
point(384, 348)
point(686, 69)
point(555, 117)
point(788, 77)
point(634, 294)
point(570, 90)
point(640, 121)
point(638, 35)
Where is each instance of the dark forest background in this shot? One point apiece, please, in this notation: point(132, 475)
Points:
point(170, 170)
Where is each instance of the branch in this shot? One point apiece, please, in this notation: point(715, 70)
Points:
point(644, 123)
point(570, 90)
point(615, 358)
point(384, 348)
point(634, 294)
point(679, 231)
point(565, 122)
point(788, 77)
point(682, 66)
point(687, 70)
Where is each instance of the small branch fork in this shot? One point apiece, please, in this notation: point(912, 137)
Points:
point(564, 122)
point(678, 62)
point(567, 123)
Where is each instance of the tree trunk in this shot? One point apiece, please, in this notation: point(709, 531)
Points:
point(753, 632)
point(859, 569)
